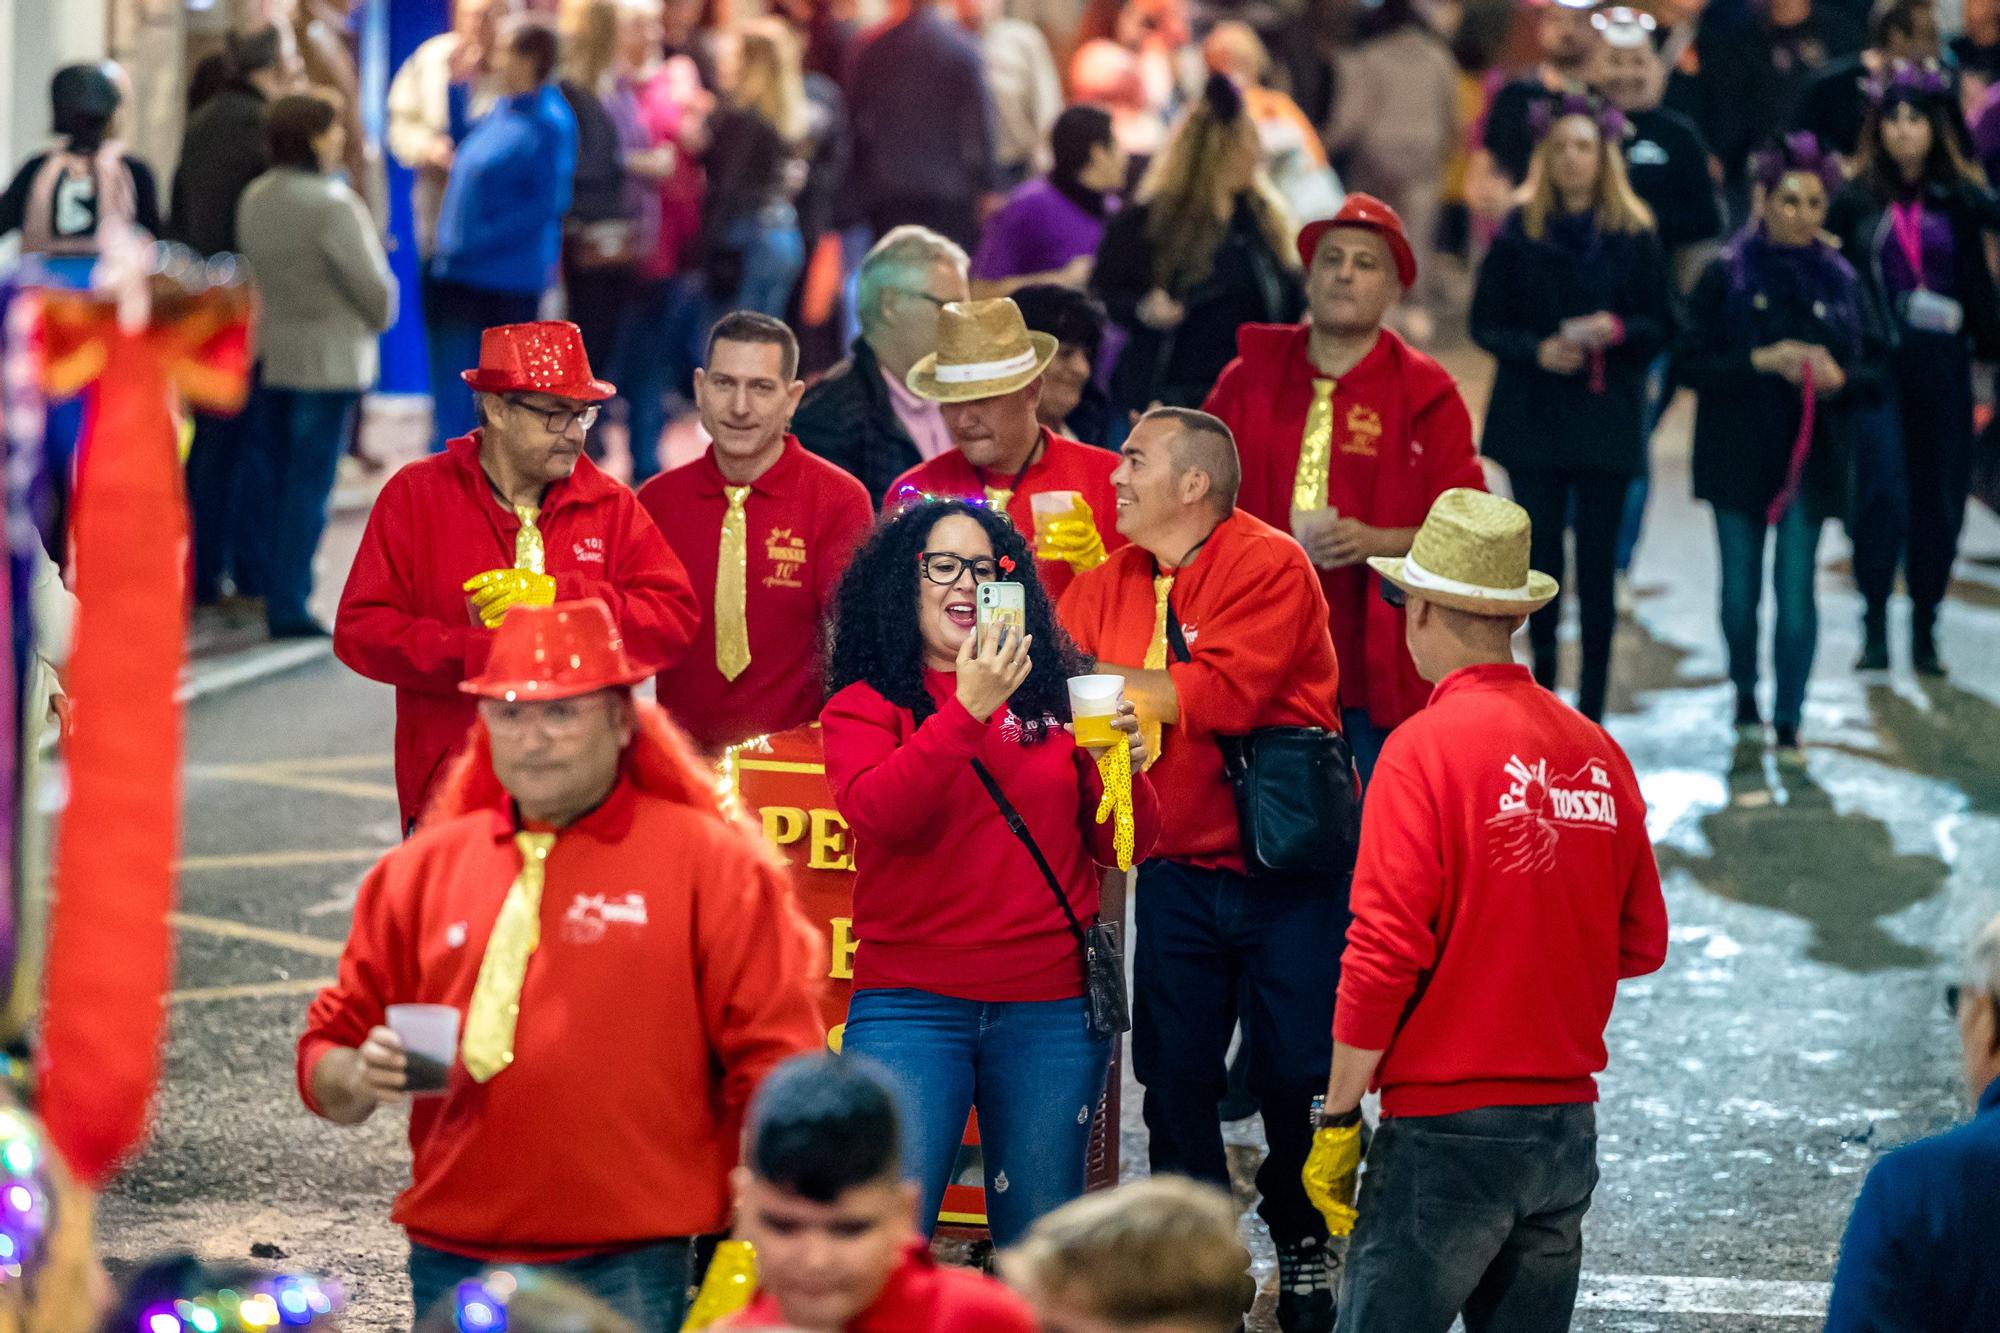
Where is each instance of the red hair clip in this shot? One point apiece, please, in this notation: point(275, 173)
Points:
point(1007, 563)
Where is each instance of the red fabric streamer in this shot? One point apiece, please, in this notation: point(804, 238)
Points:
point(1795, 470)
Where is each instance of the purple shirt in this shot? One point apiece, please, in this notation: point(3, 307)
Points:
point(1938, 258)
point(1038, 230)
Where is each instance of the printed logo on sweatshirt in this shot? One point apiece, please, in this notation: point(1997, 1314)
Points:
point(1364, 431)
point(785, 548)
point(1538, 808)
point(588, 550)
point(592, 915)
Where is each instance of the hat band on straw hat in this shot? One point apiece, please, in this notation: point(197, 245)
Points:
point(971, 372)
point(1418, 577)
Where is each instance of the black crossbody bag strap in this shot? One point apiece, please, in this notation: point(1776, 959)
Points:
point(1020, 830)
point(1176, 641)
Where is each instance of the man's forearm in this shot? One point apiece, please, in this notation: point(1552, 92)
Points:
point(1152, 691)
point(336, 1087)
point(1353, 1070)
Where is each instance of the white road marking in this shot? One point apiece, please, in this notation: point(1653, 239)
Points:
point(236, 930)
point(1704, 1295)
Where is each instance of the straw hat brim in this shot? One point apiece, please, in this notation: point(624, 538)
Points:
point(924, 383)
point(1542, 590)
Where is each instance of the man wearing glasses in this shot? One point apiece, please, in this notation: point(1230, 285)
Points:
point(511, 515)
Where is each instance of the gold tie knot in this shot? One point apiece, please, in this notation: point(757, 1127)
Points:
point(998, 498)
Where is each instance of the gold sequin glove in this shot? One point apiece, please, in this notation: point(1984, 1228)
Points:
point(728, 1289)
point(498, 591)
point(1074, 539)
point(1114, 765)
point(1332, 1170)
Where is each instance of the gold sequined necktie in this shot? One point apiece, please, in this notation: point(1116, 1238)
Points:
point(528, 552)
point(1315, 450)
point(488, 1047)
point(732, 560)
point(998, 498)
point(1156, 660)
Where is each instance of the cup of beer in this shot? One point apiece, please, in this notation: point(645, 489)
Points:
point(1051, 507)
point(430, 1043)
point(1093, 702)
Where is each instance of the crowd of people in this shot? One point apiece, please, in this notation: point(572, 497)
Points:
point(1138, 359)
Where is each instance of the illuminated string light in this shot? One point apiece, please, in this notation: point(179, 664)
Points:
point(289, 1301)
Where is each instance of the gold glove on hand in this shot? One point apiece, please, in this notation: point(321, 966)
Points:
point(728, 1288)
point(1114, 765)
point(1332, 1170)
point(1074, 539)
point(498, 591)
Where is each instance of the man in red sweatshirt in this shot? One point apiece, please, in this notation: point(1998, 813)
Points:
point(1505, 886)
point(580, 1122)
point(822, 1196)
point(1216, 621)
point(986, 378)
point(510, 515)
point(1348, 433)
point(765, 530)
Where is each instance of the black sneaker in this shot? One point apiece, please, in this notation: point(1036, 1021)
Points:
point(1923, 650)
point(1747, 716)
point(1787, 737)
point(1874, 649)
point(1308, 1277)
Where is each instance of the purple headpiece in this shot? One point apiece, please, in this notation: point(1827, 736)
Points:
point(1797, 151)
point(1907, 81)
point(1544, 114)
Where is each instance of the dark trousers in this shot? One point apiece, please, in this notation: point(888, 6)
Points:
point(215, 506)
point(1912, 473)
point(956, 219)
point(454, 317)
point(1479, 1212)
point(1203, 937)
point(647, 1284)
point(659, 348)
point(293, 442)
point(1594, 503)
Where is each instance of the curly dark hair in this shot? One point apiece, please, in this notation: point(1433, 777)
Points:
point(875, 634)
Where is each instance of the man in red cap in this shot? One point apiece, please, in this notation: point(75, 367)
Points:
point(766, 529)
point(510, 515)
point(577, 1123)
point(1347, 434)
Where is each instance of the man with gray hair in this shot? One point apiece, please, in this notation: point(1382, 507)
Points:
point(862, 415)
point(1217, 622)
point(1919, 1249)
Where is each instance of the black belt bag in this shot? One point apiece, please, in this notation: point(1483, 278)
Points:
point(1298, 812)
point(1296, 808)
point(1103, 959)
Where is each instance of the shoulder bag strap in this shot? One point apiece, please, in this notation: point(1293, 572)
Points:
point(1020, 830)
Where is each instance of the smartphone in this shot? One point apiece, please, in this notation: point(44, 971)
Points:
point(1001, 604)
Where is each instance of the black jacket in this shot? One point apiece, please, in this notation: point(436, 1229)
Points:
point(1538, 421)
point(1666, 160)
point(1859, 216)
point(598, 191)
point(1247, 285)
point(221, 153)
point(1746, 421)
point(848, 420)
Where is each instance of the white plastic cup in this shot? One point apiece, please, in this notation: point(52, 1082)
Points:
point(1093, 702)
point(430, 1044)
point(1051, 507)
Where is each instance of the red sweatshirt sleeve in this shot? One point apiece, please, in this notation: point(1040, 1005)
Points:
point(1444, 428)
point(758, 965)
point(885, 787)
point(1244, 653)
point(647, 590)
point(376, 632)
point(1102, 838)
point(1642, 923)
point(1398, 887)
point(342, 1014)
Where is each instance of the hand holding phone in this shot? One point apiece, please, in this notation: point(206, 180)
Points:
point(993, 660)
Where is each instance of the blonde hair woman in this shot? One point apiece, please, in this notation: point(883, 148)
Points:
point(1207, 247)
point(750, 249)
point(1573, 302)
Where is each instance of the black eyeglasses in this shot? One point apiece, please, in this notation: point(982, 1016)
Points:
point(1391, 593)
point(559, 419)
point(944, 567)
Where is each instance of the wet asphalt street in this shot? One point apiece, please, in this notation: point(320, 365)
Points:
point(1794, 1035)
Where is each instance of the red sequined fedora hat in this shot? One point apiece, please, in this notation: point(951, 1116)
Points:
point(543, 357)
point(555, 652)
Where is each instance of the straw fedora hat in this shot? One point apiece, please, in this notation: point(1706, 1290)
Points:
point(1471, 554)
point(984, 349)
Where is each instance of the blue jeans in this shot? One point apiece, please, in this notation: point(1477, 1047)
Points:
point(659, 347)
point(1204, 938)
point(647, 1284)
point(294, 440)
point(1032, 1069)
point(1793, 567)
point(1364, 741)
point(774, 255)
point(1659, 384)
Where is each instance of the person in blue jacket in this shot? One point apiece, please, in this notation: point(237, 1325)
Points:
point(499, 232)
point(1919, 1254)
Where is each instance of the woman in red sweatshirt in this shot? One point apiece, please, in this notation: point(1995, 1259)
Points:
point(968, 980)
